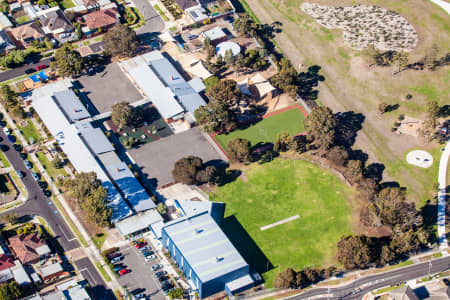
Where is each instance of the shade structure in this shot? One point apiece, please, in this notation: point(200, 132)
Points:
point(222, 48)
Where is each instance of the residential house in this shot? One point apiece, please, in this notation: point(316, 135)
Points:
point(6, 44)
point(6, 262)
point(52, 271)
point(24, 35)
point(216, 35)
point(5, 23)
point(54, 22)
point(100, 20)
point(29, 248)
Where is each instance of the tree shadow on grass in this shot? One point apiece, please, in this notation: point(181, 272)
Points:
point(348, 125)
point(429, 215)
point(246, 246)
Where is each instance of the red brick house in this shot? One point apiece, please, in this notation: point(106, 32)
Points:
point(100, 19)
point(29, 248)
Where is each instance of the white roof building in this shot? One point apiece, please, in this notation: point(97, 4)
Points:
point(5, 23)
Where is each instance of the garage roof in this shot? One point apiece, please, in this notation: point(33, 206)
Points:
point(138, 222)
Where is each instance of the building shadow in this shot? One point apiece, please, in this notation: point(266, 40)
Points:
point(246, 246)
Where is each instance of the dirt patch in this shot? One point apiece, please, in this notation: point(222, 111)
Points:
point(410, 126)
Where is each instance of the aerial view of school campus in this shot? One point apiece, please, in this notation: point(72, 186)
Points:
point(224, 149)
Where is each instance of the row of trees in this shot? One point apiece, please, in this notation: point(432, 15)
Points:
point(10, 291)
point(8, 98)
point(292, 279)
point(191, 170)
point(91, 197)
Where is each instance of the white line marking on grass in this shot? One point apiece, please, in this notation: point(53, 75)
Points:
point(279, 222)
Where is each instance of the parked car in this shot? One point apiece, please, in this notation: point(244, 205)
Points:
point(20, 174)
point(17, 147)
point(140, 245)
point(163, 278)
point(29, 71)
point(192, 36)
point(145, 249)
point(11, 139)
point(118, 267)
point(161, 273)
point(116, 259)
point(28, 164)
point(156, 267)
point(47, 193)
point(149, 257)
point(42, 184)
point(137, 291)
point(113, 255)
point(124, 271)
point(23, 155)
point(35, 176)
point(148, 253)
point(41, 67)
point(139, 296)
point(166, 286)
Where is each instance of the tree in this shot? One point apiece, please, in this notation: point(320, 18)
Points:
point(382, 107)
point(162, 208)
point(387, 255)
point(207, 175)
point(239, 150)
point(287, 78)
point(8, 97)
point(57, 162)
point(176, 293)
point(215, 117)
point(225, 90)
point(321, 124)
point(186, 169)
point(82, 184)
point(229, 57)
point(68, 61)
point(124, 115)
point(338, 155)
point(353, 251)
point(286, 279)
point(94, 205)
point(209, 48)
point(283, 142)
point(18, 112)
point(432, 110)
point(10, 291)
point(121, 41)
point(245, 25)
point(311, 274)
point(370, 54)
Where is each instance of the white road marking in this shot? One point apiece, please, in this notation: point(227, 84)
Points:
point(279, 222)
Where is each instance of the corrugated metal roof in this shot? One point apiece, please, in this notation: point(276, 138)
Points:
point(51, 269)
point(214, 33)
point(96, 140)
point(139, 222)
point(204, 246)
point(239, 283)
point(197, 84)
point(191, 102)
point(71, 105)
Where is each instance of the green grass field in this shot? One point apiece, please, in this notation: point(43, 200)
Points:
point(267, 129)
point(278, 190)
point(30, 131)
point(48, 166)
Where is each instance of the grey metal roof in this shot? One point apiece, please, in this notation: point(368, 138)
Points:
point(192, 207)
point(166, 71)
point(130, 187)
point(214, 33)
point(71, 105)
point(51, 269)
point(96, 140)
point(191, 102)
point(139, 222)
point(4, 21)
point(204, 246)
point(197, 84)
point(239, 283)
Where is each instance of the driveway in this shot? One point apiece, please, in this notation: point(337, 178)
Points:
point(156, 159)
point(141, 276)
point(153, 21)
point(107, 87)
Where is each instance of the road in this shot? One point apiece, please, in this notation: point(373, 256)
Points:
point(442, 194)
point(39, 205)
point(19, 71)
point(373, 282)
point(153, 21)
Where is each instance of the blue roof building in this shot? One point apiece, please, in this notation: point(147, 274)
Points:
point(204, 254)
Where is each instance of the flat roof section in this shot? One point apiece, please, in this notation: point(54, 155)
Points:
point(139, 222)
point(71, 105)
point(204, 246)
point(96, 140)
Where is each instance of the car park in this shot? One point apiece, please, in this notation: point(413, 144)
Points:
point(124, 271)
point(139, 296)
point(113, 255)
point(28, 164)
point(166, 286)
point(118, 267)
point(116, 259)
point(157, 267)
point(137, 291)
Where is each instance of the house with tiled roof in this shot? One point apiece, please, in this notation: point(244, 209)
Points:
point(26, 34)
point(6, 262)
point(29, 248)
point(54, 22)
point(100, 20)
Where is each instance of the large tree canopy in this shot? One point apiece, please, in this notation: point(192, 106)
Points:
point(121, 41)
point(321, 125)
point(353, 252)
point(239, 149)
point(125, 115)
point(68, 61)
point(225, 90)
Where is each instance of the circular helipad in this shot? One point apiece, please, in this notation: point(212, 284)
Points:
point(419, 158)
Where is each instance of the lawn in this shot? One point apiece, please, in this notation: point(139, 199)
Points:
point(278, 190)
point(29, 131)
point(266, 131)
point(48, 166)
point(65, 4)
point(22, 19)
point(4, 160)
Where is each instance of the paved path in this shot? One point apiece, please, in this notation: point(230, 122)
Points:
point(443, 169)
point(358, 288)
point(444, 5)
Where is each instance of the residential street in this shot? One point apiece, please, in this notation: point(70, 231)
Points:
point(370, 283)
point(39, 205)
point(19, 71)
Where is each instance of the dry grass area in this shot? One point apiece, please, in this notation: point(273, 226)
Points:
point(350, 85)
point(364, 25)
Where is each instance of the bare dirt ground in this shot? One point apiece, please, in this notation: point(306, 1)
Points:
point(351, 86)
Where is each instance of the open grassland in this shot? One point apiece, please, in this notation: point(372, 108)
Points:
point(350, 85)
point(267, 130)
point(278, 190)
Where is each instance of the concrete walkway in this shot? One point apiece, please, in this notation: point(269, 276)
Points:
point(443, 4)
point(443, 165)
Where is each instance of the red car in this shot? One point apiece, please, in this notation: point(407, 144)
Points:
point(140, 245)
point(124, 271)
point(41, 67)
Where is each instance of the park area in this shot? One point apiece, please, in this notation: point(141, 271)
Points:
point(267, 130)
point(278, 190)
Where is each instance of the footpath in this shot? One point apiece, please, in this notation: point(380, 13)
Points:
point(92, 252)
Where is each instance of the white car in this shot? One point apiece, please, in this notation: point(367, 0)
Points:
point(6, 130)
point(150, 257)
